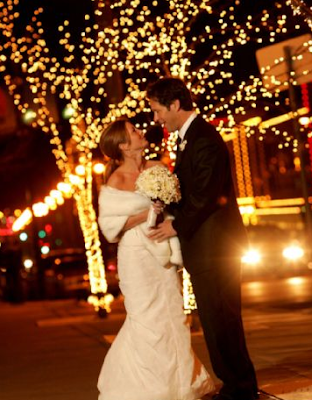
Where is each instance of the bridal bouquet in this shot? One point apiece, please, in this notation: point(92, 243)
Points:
point(158, 183)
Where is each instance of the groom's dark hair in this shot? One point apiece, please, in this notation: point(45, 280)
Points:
point(166, 90)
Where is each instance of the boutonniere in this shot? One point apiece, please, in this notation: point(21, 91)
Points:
point(182, 145)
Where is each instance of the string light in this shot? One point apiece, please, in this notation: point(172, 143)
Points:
point(141, 47)
point(40, 209)
point(300, 8)
point(188, 294)
point(23, 220)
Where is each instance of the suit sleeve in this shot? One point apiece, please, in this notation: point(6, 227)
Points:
point(208, 176)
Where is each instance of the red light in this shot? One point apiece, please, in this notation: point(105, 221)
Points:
point(111, 267)
point(48, 228)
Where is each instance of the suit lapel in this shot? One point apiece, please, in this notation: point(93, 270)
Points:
point(180, 152)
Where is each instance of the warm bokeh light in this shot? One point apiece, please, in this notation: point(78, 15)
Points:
point(28, 263)
point(45, 249)
point(23, 220)
point(65, 188)
point(74, 179)
point(56, 194)
point(17, 213)
point(80, 170)
point(304, 120)
point(68, 112)
point(255, 121)
point(40, 209)
point(29, 116)
point(51, 202)
point(293, 252)
point(23, 236)
point(256, 288)
point(296, 281)
point(103, 302)
point(99, 168)
point(188, 294)
point(252, 257)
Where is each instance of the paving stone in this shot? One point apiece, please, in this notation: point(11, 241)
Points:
point(54, 349)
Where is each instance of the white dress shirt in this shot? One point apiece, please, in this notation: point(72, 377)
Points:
point(186, 125)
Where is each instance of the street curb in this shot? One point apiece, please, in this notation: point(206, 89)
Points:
point(289, 387)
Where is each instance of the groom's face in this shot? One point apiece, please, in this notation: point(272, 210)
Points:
point(167, 117)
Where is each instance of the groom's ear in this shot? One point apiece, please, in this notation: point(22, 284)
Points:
point(175, 105)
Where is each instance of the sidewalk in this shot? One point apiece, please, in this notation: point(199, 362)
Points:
point(54, 350)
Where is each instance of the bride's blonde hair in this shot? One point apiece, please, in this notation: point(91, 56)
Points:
point(115, 134)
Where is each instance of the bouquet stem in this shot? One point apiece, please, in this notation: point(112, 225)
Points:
point(151, 218)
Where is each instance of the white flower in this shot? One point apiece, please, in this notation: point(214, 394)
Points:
point(182, 145)
point(158, 183)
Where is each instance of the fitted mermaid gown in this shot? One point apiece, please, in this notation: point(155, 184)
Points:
point(151, 357)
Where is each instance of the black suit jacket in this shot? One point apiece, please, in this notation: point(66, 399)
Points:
point(207, 219)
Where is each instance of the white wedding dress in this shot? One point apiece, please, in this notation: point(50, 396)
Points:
point(151, 357)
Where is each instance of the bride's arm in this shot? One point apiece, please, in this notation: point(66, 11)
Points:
point(135, 220)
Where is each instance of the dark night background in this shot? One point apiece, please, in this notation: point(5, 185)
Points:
point(28, 170)
point(27, 165)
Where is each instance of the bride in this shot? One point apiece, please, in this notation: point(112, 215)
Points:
point(151, 357)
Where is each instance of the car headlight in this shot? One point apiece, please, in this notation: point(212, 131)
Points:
point(252, 256)
point(293, 252)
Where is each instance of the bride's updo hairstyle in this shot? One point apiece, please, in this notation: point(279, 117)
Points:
point(115, 134)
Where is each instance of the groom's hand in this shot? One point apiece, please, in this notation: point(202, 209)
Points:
point(162, 232)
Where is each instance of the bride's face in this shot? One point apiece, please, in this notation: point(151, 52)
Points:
point(137, 139)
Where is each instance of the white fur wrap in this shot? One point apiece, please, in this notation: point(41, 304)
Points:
point(115, 207)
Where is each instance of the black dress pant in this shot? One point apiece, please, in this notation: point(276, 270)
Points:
point(218, 296)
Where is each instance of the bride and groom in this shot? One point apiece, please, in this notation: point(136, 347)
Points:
point(151, 357)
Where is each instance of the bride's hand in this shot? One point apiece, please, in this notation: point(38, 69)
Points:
point(158, 206)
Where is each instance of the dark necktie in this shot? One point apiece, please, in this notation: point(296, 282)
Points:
point(178, 152)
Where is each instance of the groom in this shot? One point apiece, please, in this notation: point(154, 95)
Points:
point(209, 226)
